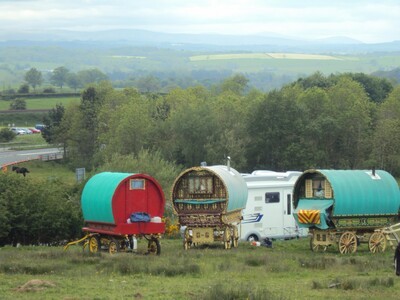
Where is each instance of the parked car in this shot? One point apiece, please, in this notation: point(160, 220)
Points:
point(34, 130)
point(18, 130)
point(40, 126)
point(27, 131)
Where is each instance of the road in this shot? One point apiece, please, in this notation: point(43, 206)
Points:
point(10, 156)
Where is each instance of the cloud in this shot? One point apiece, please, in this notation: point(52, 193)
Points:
point(364, 20)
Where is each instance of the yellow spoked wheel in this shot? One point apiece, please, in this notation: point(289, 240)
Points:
point(227, 238)
point(94, 244)
point(348, 243)
point(113, 247)
point(377, 242)
point(186, 240)
point(235, 238)
point(315, 247)
point(153, 246)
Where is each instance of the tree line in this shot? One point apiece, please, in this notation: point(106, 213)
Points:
point(336, 121)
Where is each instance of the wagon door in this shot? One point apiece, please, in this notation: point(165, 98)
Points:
point(136, 200)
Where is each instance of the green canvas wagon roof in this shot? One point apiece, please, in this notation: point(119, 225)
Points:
point(359, 192)
point(235, 185)
point(96, 199)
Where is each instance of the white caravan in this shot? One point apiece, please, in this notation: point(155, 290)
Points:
point(269, 207)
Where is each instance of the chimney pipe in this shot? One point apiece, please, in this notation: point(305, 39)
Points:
point(229, 163)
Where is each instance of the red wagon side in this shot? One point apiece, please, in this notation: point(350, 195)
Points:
point(119, 208)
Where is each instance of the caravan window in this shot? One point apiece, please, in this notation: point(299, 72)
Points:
point(272, 197)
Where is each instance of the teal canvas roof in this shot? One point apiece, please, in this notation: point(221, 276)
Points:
point(359, 192)
point(310, 204)
point(96, 199)
point(235, 185)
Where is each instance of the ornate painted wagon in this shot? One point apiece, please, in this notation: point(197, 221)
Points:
point(346, 207)
point(209, 203)
point(119, 208)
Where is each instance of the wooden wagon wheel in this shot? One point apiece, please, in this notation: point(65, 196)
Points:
point(315, 247)
point(227, 238)
point(113, 246)
point(235, 237)
point(348, 243)
point(94, 244)
point(377, 242)
point(186, 240)
point(153, 246)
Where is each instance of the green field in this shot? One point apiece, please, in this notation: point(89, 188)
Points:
point(41, 103)
point(289, 270)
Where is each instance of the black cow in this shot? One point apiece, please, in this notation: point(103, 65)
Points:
point(20, 170)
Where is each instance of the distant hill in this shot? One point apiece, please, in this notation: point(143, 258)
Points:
point(204, 42)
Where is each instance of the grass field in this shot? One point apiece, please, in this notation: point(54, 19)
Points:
point(41, 103)
point(289, 270)
point(264, 56)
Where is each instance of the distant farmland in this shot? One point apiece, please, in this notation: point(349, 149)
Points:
point(264, 56)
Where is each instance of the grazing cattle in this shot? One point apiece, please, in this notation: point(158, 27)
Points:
point(20, 170)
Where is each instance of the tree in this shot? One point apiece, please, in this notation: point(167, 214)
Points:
point(59, 76)
point(386, 154)
point(23, 89)
point(91, 76)
point(34, 78)
point(352, 110)
point(6, 135)
point(236, 84)
point(275, 128)
point(73, 81)
point(52, 130)
point(148, 84)
point(18, 104)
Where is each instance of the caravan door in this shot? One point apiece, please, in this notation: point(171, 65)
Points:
point(273, 211)
point(289, 225)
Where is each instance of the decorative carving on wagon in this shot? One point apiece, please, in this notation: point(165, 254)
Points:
point(119, 209)
point(209, 201)
point(346, 208)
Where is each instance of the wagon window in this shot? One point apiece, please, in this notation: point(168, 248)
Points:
point(319, 188)
point(272, 197)
point(200, 185)
point(137, 184)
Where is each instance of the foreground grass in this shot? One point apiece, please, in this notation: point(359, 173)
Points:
point(287, 271)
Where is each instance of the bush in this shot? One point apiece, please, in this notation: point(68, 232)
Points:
point(6, 135)
point(18, 104)
point(49, 91)
point(24, 89)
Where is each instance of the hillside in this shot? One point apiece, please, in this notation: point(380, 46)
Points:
point(127, 55)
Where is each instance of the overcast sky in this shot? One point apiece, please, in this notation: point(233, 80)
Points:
point(368, 21)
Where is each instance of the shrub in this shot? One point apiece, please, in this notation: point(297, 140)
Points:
point(49, 90)
point(23, 89)
point(6, 135)
point(18, 104)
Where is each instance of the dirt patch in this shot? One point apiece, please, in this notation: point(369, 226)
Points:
point(35, 285)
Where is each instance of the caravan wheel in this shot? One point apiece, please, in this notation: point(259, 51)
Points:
point(252, 238)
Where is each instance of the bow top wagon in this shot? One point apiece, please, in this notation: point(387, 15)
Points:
point(120, 207)
point(209, 201)
point(345, 207)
